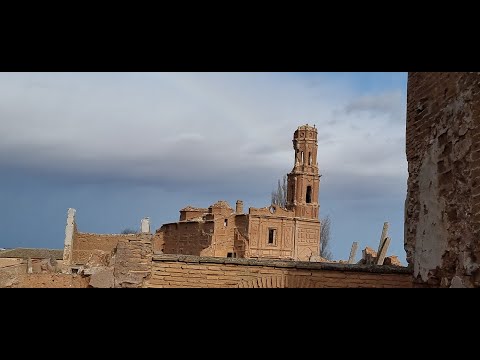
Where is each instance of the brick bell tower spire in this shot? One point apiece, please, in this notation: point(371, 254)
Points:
point(304, 180)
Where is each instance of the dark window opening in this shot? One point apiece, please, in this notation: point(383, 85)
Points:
point(231, 255)
point(272, 236)
point(309, 158)
point(309, 194)
point(225, 223)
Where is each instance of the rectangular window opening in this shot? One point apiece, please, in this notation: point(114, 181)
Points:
point(309, 194)
point(272, 236)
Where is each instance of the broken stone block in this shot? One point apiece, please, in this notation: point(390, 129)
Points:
point(392, 260)
point(102, 277)
point(369, 256)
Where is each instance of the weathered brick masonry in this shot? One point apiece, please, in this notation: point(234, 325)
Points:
point(271, 232)
point(185, 271)
point(133, 265)
point(442, 218)
point(86, 244)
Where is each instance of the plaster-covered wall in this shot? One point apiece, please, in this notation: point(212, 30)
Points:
point(442, 213)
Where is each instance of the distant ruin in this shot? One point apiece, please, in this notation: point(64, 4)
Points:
point(272, 232)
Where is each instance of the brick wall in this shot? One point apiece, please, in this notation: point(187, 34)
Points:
point(86, 244)
point(184, 238)
point(133, 261)
point(294, 238)
point(191, 271)
point(442, 220)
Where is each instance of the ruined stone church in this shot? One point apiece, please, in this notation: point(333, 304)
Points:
point(271, 232)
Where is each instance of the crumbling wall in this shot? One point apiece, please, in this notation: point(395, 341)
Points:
point(442, 212)
point(86, 245)
point(184, 237)
point(190, 213)
point(93, 249)
point(133, 261)
point(38, 273)
point(229, 236)
point(170, 271)
point(240, 239)
point(127, 265)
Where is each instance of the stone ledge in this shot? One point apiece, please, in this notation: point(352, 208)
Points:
point(304, 265)
point(25, 253)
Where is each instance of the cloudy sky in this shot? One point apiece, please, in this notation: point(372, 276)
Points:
point(121, 146)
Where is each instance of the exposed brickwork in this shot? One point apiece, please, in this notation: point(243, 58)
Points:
point(86, 244)
point(270, 232)
point(442, 219)
point(133, 261)
point(304, 180)
point(188, 237)
point(191, 271)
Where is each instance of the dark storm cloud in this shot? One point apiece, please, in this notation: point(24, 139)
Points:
point(198, 130)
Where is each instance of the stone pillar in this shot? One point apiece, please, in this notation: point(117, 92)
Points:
point(145, 226)
point(442, 209)
point(353, 253)
point(239, 207)
point(29, 266)
point(69, 233)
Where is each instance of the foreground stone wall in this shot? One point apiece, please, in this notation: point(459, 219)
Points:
point(170, 271)
point(128, 265)
point(133, 265)
point(50, 281)
point(24, 275)
point(442, 220)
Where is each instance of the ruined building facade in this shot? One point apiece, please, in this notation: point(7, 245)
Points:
point(271, 232)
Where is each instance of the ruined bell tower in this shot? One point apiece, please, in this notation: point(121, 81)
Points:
point(304, 180)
